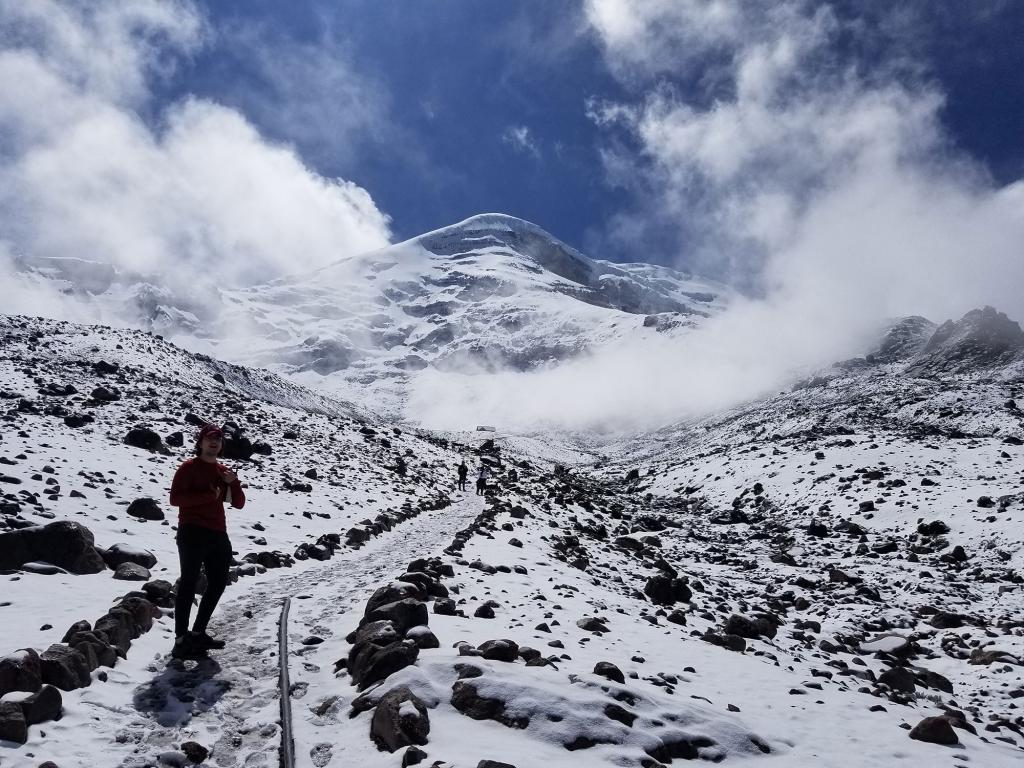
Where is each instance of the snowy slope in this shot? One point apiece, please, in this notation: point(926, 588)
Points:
point(685, 560)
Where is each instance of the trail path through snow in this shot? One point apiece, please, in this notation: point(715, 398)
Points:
point(151, 704)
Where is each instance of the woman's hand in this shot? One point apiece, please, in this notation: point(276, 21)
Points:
point(229, 476)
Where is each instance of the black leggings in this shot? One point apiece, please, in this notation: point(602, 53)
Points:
point(200, 547)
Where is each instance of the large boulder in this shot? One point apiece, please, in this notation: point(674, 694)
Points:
point(725, 640)
point(947, 620)
point(899, 679)
point(393, 592)
point(12, 723)
point(751, 627)
point(118, 628)
point(237, 446)
point(370, 663)
point(664, 590)
point(65, 543)
point(131, 572)
point(399, 720)
point(145, 438)
point(935, 730)
point(145, 509)
point(20, 671)
point(64, 667)
point(610, 671)
point(404, 614)
point(42, 706)
point(499, 650)
point(141, 611)
point(93, 647)
point(126, 553)
point(467, 700)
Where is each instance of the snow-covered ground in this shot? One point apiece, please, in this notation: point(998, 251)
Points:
point(758, 577)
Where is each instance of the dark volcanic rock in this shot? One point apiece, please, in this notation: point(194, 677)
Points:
point(899, 679)
point(935, 730)
point(12, 723)
point(664, 590)
point(64, 667)
point(370, 663)
point(934, 528)
point(146, 509)
point(145, 438)
point(731, 642)
point(394, 726)
point(444, 606)
point(499, 650)
point(947, 620)
point(20, 671)
point(131, 572)
point(195, 751)
point(42, 706)
point(67, 544)
point(126, 553)
point(610, 671)
point(469, 702)
point(404, 614)
point(96, 650)
point(106, 394)
point(592, 624)
point(760, 625)
point(393, 592)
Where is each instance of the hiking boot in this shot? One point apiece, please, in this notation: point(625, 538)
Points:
point(185, 647)
point(204, 641)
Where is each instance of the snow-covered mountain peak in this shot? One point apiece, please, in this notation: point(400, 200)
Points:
point(489, 293)
point(519, 238)
point(982, 338)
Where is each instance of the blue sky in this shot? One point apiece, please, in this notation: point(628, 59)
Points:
point(482, 106)
point(476, 106)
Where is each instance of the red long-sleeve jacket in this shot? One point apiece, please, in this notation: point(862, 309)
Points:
point(198, 492)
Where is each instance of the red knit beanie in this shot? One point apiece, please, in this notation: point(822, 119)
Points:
point(208, 430)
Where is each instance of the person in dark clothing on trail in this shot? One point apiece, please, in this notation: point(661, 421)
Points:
point(200, 488)
point(481, 480)
point(463, 472)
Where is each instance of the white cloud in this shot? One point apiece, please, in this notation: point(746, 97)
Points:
point(194, 194)
point(651, 36)
point(108, 49)
point(788, 127)
point(310, 92)
point(521, 139)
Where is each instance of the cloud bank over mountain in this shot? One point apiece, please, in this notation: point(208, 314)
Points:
point(823, 184)
point(797, 166)
point(93, 167)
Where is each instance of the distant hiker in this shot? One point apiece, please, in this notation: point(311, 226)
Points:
point(481, 480)
point(200, 488)
point(463, 472)
point(401, 466)
point(513, 476)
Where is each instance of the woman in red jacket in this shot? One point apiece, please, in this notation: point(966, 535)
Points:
point(200, 488)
